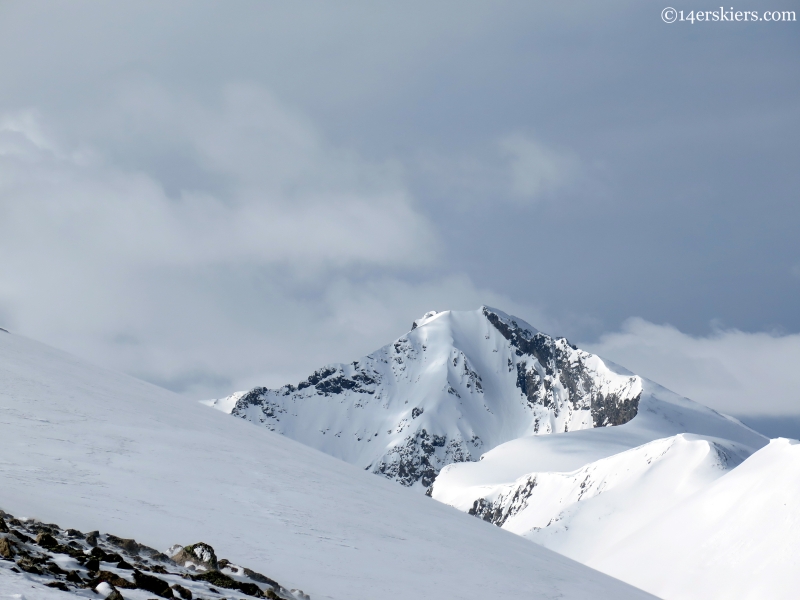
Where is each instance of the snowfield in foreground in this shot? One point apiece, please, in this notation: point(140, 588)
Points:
point(91, 449)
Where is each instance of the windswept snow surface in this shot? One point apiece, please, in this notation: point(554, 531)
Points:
point(16, 586)
point(583, 513)
point(737, 538)
point(92, 449)
point(458, 385)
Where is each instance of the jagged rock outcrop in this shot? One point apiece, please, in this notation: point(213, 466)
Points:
point(199, 554)
point(111, 565)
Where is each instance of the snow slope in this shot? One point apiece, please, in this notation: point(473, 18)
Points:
point(92, 449)
point(462, 383)
point(584, 513)
point(737, 538)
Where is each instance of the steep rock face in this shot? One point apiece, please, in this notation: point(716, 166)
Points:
point(458, 384)
point(559, 371)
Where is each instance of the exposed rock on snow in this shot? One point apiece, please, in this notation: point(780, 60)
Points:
point(63, 560)
point(197, 555)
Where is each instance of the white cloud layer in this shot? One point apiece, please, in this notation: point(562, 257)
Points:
point(219, 245)
point(288, 197)
point(732, 371)
point(249, 251)
point(197, 269)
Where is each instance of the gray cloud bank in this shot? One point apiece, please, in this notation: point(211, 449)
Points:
point(753, 376)
point(215, 196)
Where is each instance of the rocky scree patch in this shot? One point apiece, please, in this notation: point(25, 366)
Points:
point(117, 568)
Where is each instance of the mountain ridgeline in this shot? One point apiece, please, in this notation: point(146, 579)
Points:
point(458, 384)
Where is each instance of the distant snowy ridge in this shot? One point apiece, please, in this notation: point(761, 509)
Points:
point(584, 513)
point(686, 517)
point(458, 384)
point(739, 537)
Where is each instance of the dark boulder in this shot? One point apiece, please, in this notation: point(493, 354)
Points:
point(199, 553)
point(55, 569)
point(27, 565)
point(58, 585)
point(223, 581)
point(6, 548)
point(182, 592)
point(74, 577)
point(149, 583)
point(20, 536)
point(46, 540)
point(256, 576)
point(112, 557)
point(129, 546)
point(92, 564)
point(113, 580)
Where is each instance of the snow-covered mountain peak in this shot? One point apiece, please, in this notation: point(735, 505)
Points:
point(457, 385)
point(425, 319)
point(514, 326)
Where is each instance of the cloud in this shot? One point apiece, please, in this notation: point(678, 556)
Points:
point(169, 238)
point(536, 169)
point(208, 333)
point(732, 371)
point(288, 197)
point(514, 169)
point(210, 247)
point(158, 219)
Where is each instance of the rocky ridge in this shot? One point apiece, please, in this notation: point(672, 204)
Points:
point(117, 568)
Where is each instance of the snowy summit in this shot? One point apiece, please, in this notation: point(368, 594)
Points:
point(459, 384)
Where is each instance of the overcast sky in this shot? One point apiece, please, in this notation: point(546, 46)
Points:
point(216, 195)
